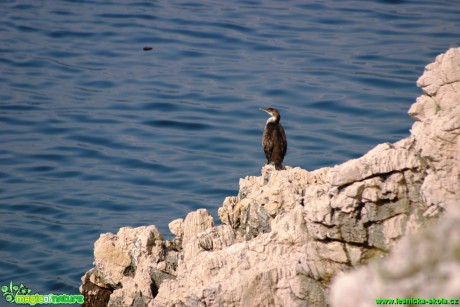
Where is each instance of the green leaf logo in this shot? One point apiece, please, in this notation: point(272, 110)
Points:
point(10, 292)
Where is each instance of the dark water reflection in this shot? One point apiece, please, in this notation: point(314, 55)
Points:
point(96, 133)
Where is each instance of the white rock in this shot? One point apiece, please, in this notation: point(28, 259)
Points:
point(288, 233)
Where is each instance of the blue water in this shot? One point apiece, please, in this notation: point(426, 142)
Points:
point(96, 133)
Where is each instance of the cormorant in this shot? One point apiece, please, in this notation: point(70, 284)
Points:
point(274, 139)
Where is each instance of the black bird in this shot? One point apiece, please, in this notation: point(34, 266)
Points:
point(274, 139)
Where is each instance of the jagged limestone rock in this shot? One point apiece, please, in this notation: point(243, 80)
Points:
point(288, 233)
point(129, 267)
point(426, 263)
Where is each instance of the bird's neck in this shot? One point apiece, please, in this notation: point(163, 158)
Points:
point(273, 119)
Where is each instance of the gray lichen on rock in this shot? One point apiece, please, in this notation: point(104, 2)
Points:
point(394, 213)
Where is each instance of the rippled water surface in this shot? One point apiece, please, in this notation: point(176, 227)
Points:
point(96, 133)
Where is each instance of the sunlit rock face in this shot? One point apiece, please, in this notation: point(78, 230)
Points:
point(288, 234)
point(424, 265)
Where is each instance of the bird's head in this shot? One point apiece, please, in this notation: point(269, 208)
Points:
point(275, 115)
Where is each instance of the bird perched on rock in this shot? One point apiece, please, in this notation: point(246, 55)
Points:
point(274, 139)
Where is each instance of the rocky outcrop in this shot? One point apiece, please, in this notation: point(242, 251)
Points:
point(288, 233)
point(129, 267)
point(425, 265)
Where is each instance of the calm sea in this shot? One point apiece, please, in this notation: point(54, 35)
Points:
point(96, 133)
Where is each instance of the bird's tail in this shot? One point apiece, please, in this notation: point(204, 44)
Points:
point(278, 166)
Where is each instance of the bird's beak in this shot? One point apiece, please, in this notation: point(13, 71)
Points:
point(263, 110)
